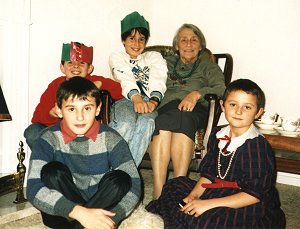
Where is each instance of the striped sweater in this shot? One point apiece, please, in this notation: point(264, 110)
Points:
point(88, 162)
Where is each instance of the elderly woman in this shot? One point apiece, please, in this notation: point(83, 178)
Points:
point(183, 109)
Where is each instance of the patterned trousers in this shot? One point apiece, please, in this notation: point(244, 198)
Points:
point(135, 128)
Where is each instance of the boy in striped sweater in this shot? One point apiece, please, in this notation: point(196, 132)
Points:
point(81, 172)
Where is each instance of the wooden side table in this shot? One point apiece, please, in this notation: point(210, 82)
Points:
point(290, 145)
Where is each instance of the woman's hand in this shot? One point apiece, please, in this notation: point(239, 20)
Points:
point(189, 101)
point(91, 218)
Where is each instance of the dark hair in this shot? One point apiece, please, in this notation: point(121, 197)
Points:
point(77, 87)
point(197, 32)
point(133, 31)
point(249, 87)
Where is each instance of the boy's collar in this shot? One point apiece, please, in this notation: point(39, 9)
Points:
point(68, 135)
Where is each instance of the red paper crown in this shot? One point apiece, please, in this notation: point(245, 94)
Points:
point(76, 51)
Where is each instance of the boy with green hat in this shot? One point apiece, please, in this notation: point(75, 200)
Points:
point(76, 60)
point(143, 81)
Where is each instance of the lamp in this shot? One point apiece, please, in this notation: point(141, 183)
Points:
point(4, 113)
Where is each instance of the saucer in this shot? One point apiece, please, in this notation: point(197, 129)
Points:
point(263, 131)
point(287, 133)
point(264, 126)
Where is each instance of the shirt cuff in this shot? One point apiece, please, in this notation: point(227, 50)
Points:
point(132, 92)
point(156, 94)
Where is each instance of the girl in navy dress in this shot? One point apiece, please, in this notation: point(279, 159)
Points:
point(237, 184)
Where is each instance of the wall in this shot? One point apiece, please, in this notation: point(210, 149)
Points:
point(263, 40)
point(14, 76)
point(262, 36)
point(94, 22)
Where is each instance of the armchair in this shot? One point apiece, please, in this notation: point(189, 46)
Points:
point(106, 101)
point(225, 61)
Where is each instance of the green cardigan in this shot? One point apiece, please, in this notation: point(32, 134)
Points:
point(206, 78)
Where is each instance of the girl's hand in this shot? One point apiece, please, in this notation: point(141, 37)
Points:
point(187, 199)
point(197, 207)
point(91, 218)
point(190, 198)
point(189, 101)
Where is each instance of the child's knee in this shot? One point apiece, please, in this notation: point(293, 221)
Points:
point(32, 132)
point(53, 169)
point(117, 179)
point(146, 121)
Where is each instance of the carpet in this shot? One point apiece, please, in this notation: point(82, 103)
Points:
point(289, 196)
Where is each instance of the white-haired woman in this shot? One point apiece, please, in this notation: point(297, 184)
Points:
point(183, 109)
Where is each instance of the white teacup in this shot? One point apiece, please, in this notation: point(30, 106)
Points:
point(290, 123)
point(269, 117)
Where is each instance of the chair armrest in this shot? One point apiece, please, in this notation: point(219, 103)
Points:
point(107, 102)
point(213, 118)
point(228, 67)
point(217, 111)
point(209, 97)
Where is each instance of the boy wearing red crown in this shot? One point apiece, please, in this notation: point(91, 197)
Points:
point(76, 60)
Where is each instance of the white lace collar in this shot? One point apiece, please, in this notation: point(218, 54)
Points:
point(236, 142)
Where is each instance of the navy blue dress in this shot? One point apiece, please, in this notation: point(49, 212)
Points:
point(253, 168)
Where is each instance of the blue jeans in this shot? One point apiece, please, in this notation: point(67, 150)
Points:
point(32, 132)
point(135, 128)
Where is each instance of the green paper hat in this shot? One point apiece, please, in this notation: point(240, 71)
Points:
point(134, 20)
point(76, 51)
